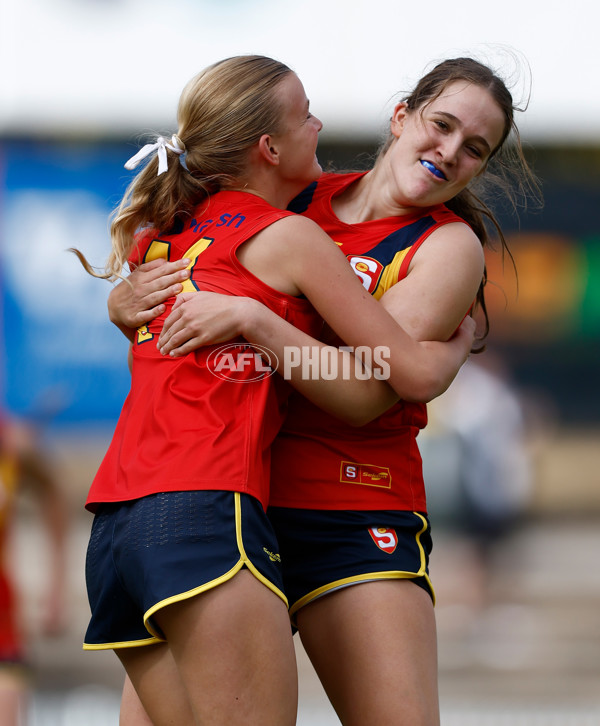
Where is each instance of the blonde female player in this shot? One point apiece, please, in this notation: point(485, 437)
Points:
point(182, 567)
point(349, 505)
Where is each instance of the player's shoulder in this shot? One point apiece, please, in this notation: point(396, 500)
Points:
point(293, 239)
point(448, 246)
point(455, 235)
point(296, 226)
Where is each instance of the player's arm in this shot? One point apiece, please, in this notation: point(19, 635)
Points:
point(203, 318)
point(441, 284)
point(320, 271)
point(301, 259)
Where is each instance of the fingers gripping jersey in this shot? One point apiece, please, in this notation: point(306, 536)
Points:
point(319, 462)
point(205, 420)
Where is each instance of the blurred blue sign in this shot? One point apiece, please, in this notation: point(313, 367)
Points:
point(63, 361)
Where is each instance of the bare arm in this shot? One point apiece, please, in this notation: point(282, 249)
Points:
point(316, 267)
point(441, 284)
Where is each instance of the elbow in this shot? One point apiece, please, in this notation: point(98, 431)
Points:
point(378, 400)
point(112, 308)
point(112, 317)
point(423, 389)
point(431, 388)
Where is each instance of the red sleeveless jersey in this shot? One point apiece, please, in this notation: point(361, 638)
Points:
point(205, 420)
point(319, 462)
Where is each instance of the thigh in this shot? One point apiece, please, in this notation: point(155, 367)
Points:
point(132, 712)
point(153, 693)
point(146, 554)
point(117, 618)
point(213, 594)
point(234, 651)
point(373, 646)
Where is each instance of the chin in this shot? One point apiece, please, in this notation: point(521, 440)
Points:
point(317, 171)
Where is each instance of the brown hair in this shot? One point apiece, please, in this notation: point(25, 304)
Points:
point(506, 168)
point(222, 112)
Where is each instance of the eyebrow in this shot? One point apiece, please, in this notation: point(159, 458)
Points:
point(452, 117)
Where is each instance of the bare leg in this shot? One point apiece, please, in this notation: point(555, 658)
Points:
point(153, 694)
point(374, 647)
point(13, 697)
point(233, 648)
point(132, 711)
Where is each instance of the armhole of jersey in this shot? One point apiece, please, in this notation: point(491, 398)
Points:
point(403, 271)
point(261, 224)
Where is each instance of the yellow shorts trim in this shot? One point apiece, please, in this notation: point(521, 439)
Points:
point(244, 561)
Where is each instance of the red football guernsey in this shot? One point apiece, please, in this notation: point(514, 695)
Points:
point(319, 462)
point(205, 420)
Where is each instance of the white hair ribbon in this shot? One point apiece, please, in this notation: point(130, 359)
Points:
point(160, 147)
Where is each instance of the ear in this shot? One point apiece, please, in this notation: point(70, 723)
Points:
point(398, 118)
point(268, 150)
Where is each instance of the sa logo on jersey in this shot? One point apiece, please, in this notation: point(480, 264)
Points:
point(386, 539)
point(368, 270)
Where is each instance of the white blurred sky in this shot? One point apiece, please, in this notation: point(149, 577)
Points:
point(118, 66)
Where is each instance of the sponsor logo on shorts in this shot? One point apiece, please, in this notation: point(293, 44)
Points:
point(273, 556)
point(366, 474)
point(385, 538)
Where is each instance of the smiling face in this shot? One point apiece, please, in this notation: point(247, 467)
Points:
point(297, 143)
point(442, 146)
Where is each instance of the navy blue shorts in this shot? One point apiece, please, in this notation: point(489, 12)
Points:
point(323, 551)
point(151, 552)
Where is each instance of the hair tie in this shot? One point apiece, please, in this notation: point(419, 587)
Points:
point(182, 151)
point(160, 146)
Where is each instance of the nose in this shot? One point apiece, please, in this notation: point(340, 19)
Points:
point(318, 123)
point(449, 148)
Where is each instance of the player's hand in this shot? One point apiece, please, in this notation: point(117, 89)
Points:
point(464, 337)
point(139, 299)
point(460, 344)
point(450, 356)
point(202, 318)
